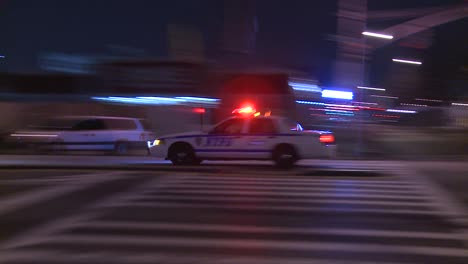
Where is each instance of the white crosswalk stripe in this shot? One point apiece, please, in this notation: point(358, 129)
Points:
point(240, 219)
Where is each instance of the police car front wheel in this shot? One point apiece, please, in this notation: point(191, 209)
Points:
point(183, 154)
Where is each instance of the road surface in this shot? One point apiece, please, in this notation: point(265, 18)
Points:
point(339, 212)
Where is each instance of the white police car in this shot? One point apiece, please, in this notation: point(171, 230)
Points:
point(247, 138)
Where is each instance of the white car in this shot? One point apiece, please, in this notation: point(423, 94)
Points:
point(117, 134)
point(247, 138)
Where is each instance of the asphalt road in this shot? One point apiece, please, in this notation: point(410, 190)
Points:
point(320, 212)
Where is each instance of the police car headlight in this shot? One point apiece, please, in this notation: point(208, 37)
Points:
point(158, 142)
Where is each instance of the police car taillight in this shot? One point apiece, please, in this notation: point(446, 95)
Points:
point(327, 139)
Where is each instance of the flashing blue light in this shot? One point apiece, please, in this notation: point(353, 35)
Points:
point(337, 94)
point(2, 56)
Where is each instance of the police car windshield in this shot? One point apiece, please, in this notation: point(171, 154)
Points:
point(231, 126)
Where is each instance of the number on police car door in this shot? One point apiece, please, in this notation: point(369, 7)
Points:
point(223, 140)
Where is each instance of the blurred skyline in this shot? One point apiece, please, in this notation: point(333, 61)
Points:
point(290, 33)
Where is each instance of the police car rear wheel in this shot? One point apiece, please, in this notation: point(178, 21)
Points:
point(284, 156)
point(182, 154)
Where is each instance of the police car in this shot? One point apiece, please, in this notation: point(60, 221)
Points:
point(247, 138)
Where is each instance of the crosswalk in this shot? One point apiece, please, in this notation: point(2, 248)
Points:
point(204, 218)
point(35, 190)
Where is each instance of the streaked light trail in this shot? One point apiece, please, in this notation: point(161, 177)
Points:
point(371, 88)
point(407, 61)
point(377, 35)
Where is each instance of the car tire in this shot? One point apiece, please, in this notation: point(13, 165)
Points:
point(182, 154)
point(284, 156)
point(121, 148)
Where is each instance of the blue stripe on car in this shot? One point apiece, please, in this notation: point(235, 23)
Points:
point(232, 150)
point(237, 135)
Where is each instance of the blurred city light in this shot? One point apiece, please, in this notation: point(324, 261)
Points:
point(377, 35)
point(305, 87)
point(384, 96)
point(371, 88)
point(459, 104)
point(337, 94)
point(159, 99)
point(407, 61)
point(199, 110)
point(153, 100)
point(417, 105)
point(33, 135)
point(401, 111)
point(365, 103)
point(428, 100)
point(309, 102)
point(2, 56)
point(198, 99)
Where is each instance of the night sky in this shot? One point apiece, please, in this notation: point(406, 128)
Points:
point(291, 33)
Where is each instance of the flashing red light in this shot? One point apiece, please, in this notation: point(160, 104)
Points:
point(327, 139)
point(199, 110)
point(245, 110)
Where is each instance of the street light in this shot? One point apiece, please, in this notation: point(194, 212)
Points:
point(377, 35)
point(407, 61)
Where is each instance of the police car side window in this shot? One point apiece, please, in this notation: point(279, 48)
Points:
point(262, 126)
point(232, 126)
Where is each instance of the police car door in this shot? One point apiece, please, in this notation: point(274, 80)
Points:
point(262, 136)
point(223, 142)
